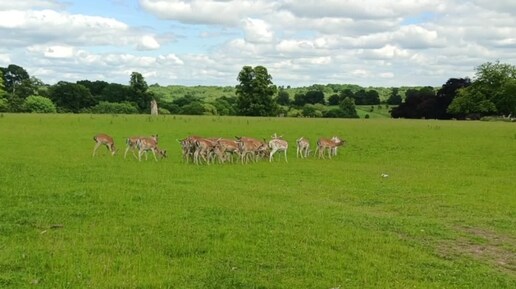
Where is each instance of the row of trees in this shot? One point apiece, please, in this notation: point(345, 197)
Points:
point(493, 91)
point(21, 93)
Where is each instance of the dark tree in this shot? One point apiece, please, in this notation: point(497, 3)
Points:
point(71, 97)
point(334, 99)
point(348, 109)
point(283, 97)
point(255, 91)
point(95, 87)
point(446, 94)
point(394, 98)
point(13, 76)
point(315, 96)
point(139, 94)
point(115, 92)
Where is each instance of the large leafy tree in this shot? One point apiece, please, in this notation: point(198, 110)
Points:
point(470, 102)
point(13, 76)
point(139, 94)
point(71, 97)
point(255, 91)
point(347, 107)
point(447, 93)
point(490, 92)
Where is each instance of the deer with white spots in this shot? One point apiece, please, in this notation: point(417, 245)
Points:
point(303, 147)
point(249, 148)
point(278, 144)
point(331, 145)
point(146, 144)
point(104, 139)
point(131, 143)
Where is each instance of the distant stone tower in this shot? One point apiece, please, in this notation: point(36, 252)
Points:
point(153, 107)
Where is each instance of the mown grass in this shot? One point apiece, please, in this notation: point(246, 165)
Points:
point(443, 218)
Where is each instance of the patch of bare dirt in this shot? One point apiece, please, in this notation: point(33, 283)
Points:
point(484, 245)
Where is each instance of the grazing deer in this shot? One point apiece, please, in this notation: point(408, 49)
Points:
point(303, 147)
point(131, 144)
point(249, 148)
point(205, 149)
point(278, 144)
point(188, 147)
point(104, 139)
point(145, 144)
point(227, 148)
point(328, 144)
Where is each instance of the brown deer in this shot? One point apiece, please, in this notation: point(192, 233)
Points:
point(328, 144)
point(131, 144)
point(303, 147)
point(249, 148)
point(149, 144)
point(104, 139)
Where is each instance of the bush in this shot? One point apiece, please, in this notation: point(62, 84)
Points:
point(4, 106)
point(163, 111)
point(114, 108)
point(39, 104)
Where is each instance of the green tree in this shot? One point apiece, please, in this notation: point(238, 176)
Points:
point(13, 76)
point(348, 108)
point(507, 99)
point(138, 83)
point(2, 86)
point(490, 79)
point(139, 94)
point(71, 97)
point(283, 97)
point(255, 91)
point(471, 101)
point(193, 108)
point(395, 97)
point(39, 104)
point(334, 99)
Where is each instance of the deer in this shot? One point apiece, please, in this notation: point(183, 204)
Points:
point(249, 147)
point(104, 139)
point(303, 147)
point(188, 147)
point(131, 144)
point(328, 144)
point(278, 144)
point(145, 144)
point(205, 149)
point(227, 148)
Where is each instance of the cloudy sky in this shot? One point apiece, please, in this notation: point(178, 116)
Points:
point(300, 42)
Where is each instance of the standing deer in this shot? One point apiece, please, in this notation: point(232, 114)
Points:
point(303, 147)
point(131, 144)
point(278, 144)
point(104, 139)
point(328, 144)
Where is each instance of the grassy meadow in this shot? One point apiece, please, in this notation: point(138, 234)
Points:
point(445, 217)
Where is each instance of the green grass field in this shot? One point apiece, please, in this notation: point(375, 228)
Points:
point(445, 217)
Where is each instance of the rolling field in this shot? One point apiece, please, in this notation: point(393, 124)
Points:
point(445, 217)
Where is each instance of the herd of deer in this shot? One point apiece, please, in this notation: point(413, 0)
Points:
point(209, 150)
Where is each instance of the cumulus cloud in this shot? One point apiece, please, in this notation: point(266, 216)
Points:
point(257, 31)
point(228, 12)
point(370, 42)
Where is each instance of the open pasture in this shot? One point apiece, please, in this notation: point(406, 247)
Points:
point(443, 215)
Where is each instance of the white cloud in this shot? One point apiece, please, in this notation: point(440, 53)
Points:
point(148, 43)
point(257, 31)
point(371, 42)
point(229, 12)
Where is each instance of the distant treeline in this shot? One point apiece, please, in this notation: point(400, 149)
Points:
point(492, 92)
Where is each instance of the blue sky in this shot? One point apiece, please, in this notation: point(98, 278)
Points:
point(207, 42)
